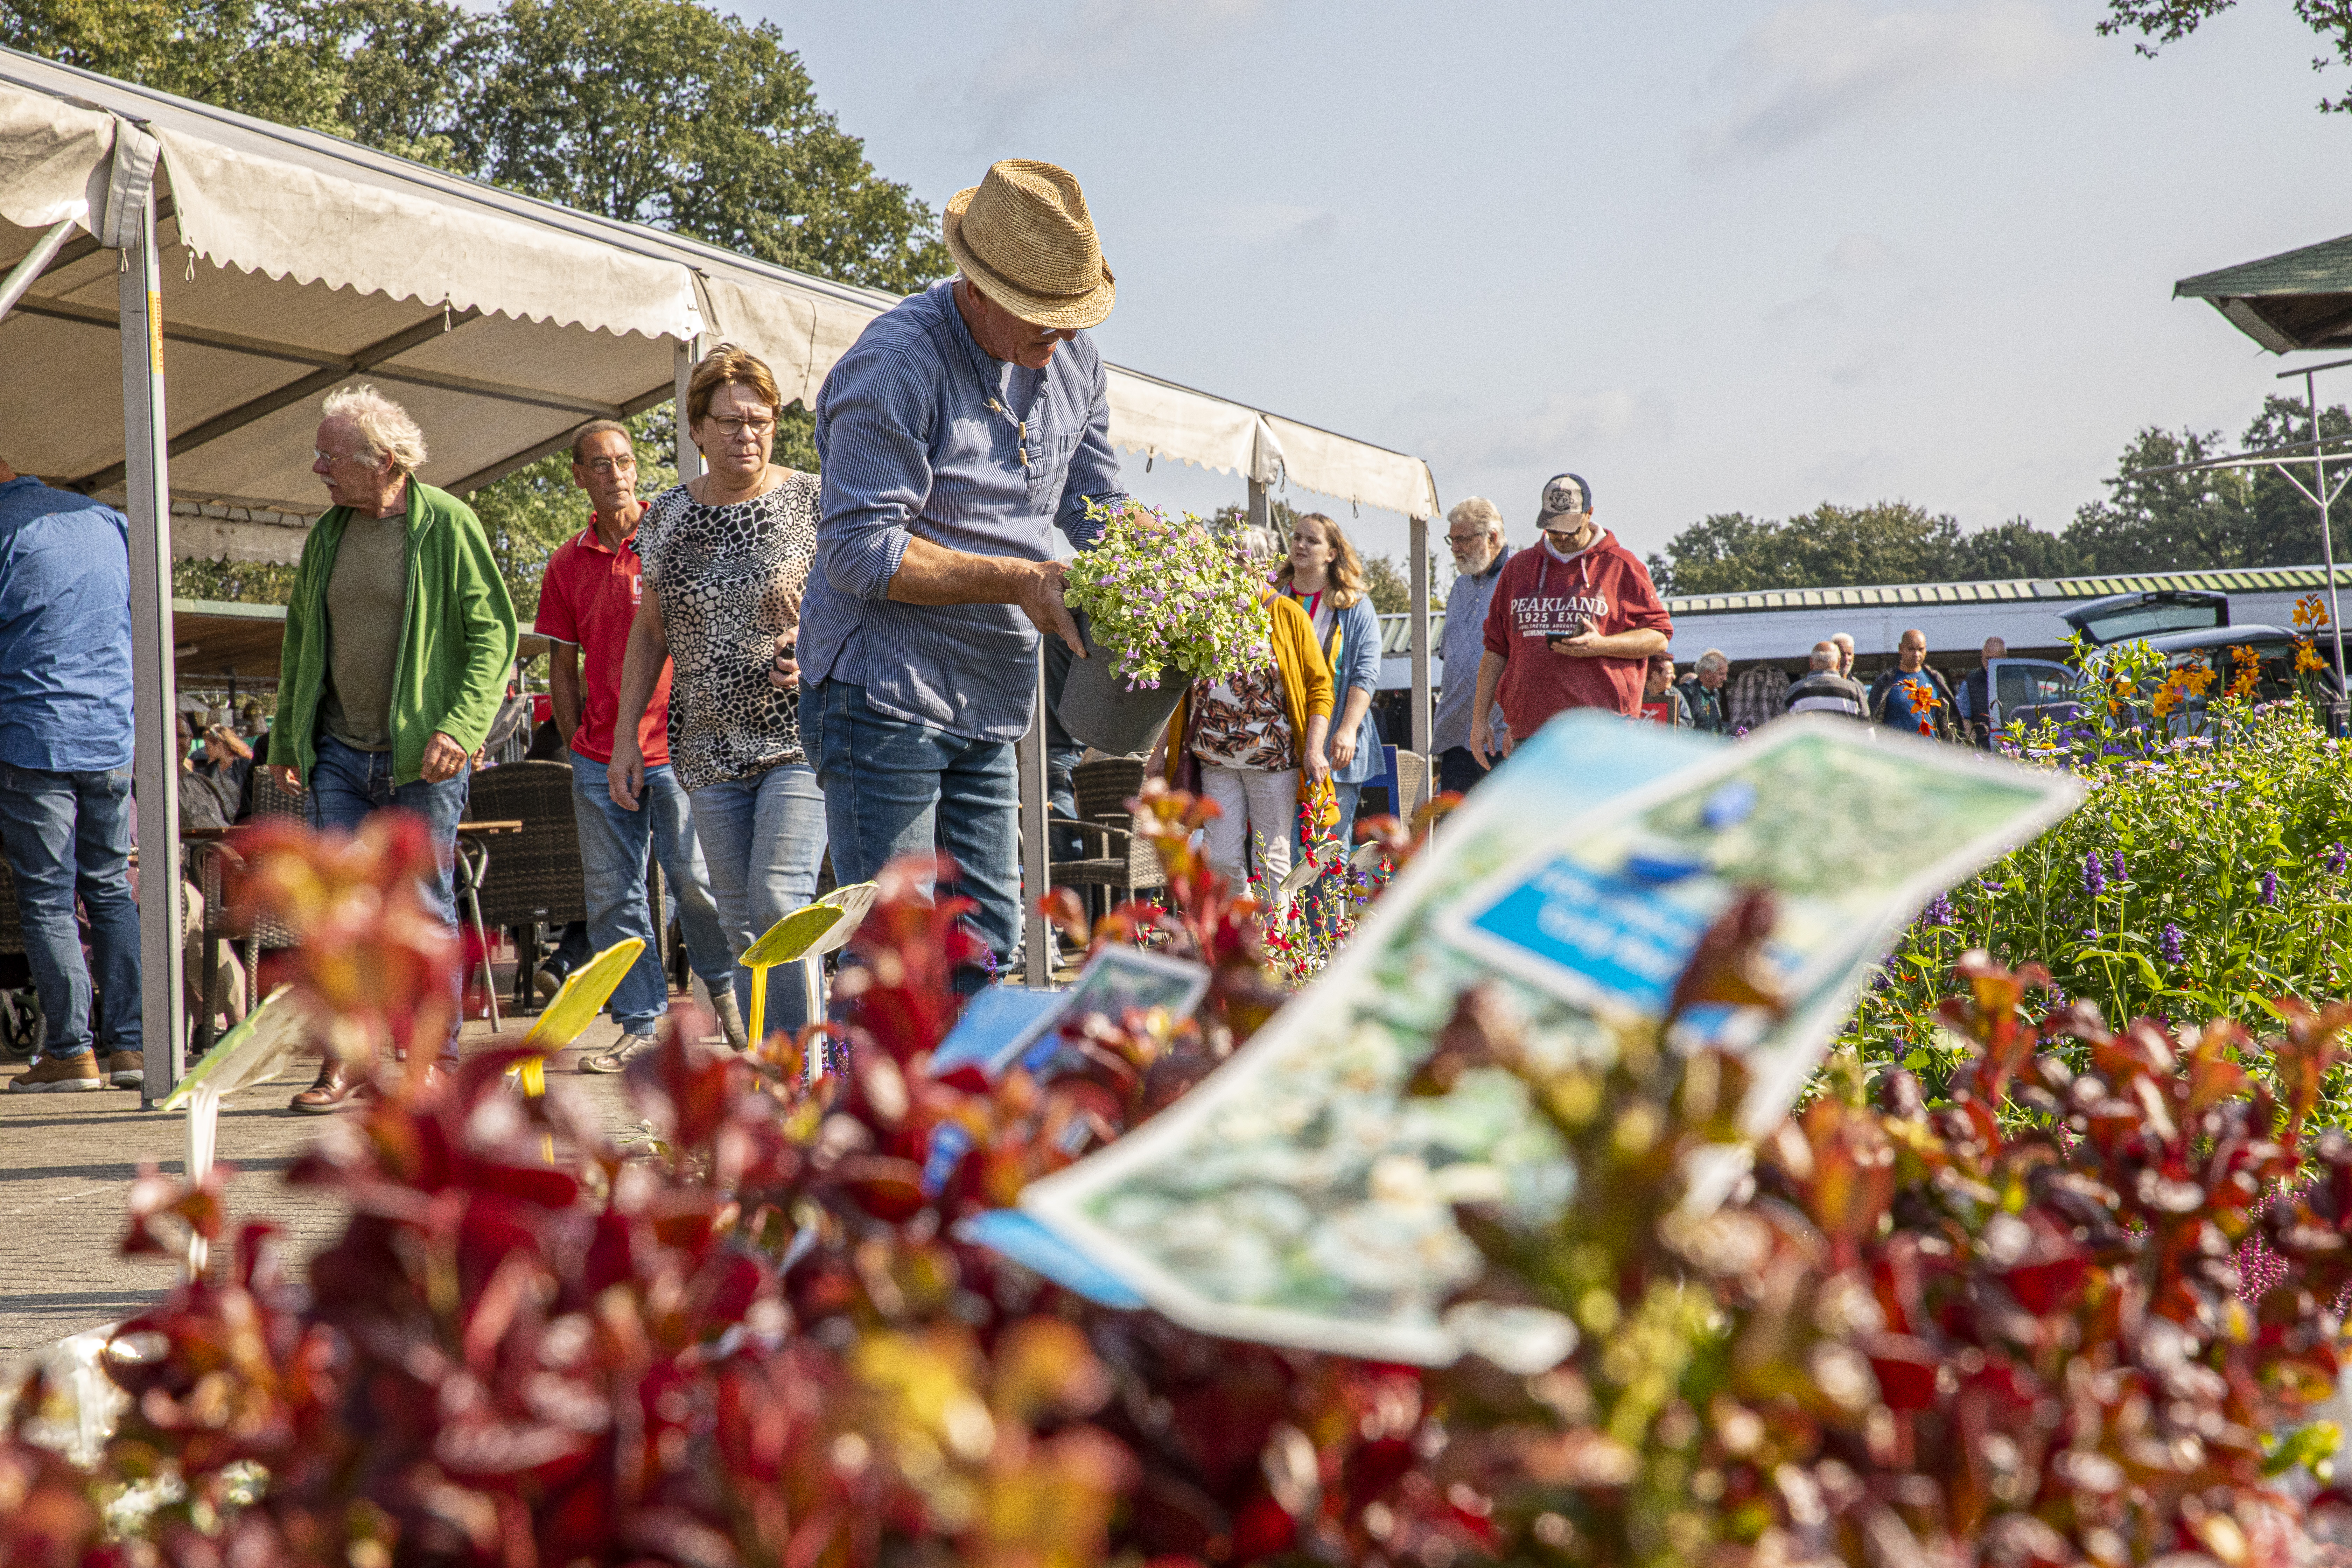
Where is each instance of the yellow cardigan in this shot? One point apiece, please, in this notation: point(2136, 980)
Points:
point(1305, 692)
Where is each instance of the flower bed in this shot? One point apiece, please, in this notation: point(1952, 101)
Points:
point(2205, 875)
point(2001, 1329)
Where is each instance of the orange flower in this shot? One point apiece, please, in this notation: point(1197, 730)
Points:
point(2307, 657)
point(2310, 612)
point(2249, 669)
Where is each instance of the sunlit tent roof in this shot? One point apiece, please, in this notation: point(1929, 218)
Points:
point(293, 262)
point(2299, 299)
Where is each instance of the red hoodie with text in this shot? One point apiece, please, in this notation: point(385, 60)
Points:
point(1538, 598)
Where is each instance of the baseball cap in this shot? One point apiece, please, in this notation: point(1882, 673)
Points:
point(1562, 495)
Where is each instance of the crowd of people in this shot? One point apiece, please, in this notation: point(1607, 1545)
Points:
point(760, 668)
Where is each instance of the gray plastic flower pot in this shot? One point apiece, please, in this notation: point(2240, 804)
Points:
point(1095, 707)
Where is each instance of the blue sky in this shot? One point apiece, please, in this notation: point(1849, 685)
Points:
point(1718, 255)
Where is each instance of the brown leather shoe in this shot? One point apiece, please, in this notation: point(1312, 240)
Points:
point(336, 1086)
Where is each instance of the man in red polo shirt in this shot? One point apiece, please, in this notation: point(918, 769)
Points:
point(585, 604)
point(1572, 624)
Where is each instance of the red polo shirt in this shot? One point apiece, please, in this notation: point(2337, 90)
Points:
point(588, 599)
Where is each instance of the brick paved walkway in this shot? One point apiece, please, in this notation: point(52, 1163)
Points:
point(67, 1162)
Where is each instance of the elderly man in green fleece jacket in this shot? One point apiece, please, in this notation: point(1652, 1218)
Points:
point(399, 635)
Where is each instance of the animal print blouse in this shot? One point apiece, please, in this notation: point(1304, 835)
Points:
point(728, 580)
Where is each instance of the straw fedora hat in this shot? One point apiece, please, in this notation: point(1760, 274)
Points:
point(1025, 238)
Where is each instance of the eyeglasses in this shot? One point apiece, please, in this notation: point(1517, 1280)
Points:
point(1460, 541)
point(608, 466)
point(334, 457)
point(731, 428)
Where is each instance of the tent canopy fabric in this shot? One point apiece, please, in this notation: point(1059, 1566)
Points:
point(2298, 300)
point(294, 262)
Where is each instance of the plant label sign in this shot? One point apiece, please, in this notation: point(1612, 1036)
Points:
point(1301, 1196)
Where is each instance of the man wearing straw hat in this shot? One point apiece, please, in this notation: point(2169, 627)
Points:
point(960, 432)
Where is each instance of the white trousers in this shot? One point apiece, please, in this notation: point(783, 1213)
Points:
point(1258, 809)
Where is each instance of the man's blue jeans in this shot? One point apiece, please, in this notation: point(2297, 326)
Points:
point(894, 788)
point(64, 833)
point(613, 844)
point(764, 843)
point(347, 785)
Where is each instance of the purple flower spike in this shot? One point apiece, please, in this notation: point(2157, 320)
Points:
point(2115, 867)
point(2270, 888)
point(2174, 945)
point(2336, 855)
point(1938, 912)
point(2095, 875)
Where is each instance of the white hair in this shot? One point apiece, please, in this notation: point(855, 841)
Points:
point(1480, 510)
point(1713, 658)
point(1257, 543)
point(382, 424)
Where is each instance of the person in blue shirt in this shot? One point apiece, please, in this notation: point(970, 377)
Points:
point(962, 430)
point(65, 773)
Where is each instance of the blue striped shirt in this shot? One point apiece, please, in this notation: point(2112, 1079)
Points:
point(920, 433)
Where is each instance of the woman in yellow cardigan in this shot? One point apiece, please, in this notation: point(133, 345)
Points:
point(1256, 742)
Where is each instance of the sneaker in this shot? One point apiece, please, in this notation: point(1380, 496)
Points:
point(49, 1074)
point(547, 982)
point(127, 1070)
point(623, 1051)
point(731, 1017)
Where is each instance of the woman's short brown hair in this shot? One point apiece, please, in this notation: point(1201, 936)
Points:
point(1347, 566)
point(726, 364)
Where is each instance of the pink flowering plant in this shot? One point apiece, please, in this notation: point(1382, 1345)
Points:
point(1162, 595)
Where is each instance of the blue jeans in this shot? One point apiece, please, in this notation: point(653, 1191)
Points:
point(348, 785)
point(764, 842)
point(894, 788)
point(64, 833)
point(613, 845)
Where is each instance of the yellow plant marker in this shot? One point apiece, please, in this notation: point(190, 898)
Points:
point(585, 991)
point(575, 1005)
point(805, 936)
point(786, 942)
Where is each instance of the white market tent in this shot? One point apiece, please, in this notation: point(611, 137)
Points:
point(264, 266)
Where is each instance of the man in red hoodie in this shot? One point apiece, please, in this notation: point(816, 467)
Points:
point(1572, 624)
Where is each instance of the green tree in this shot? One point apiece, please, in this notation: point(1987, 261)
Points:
point(1831, 546)
point(2161, 22)
point(655, 111)
point(2284, 523)
point(2167, 522)
point(1390, 586)
point(2010, 550)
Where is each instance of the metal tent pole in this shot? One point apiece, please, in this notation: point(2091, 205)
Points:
point(2327, 540)
point(1420, 628)
point(22, 276)
point(1261, 505)
point(147, 479)
point(1029, 757)
point(687, 354)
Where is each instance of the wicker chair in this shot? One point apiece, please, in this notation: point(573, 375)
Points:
point(272, 802)
point(521, 880)
point(1115, 855)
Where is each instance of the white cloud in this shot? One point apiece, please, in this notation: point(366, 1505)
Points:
point(1556, 430)
point(1860, 253)
point(1085, 48)
point(1278, 224)
point(1813, 65)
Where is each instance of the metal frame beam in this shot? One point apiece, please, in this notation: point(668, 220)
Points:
point(155, 755)
point(293, 392)
point(533, 453)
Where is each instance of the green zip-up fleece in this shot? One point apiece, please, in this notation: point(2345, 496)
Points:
point(457, 637)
